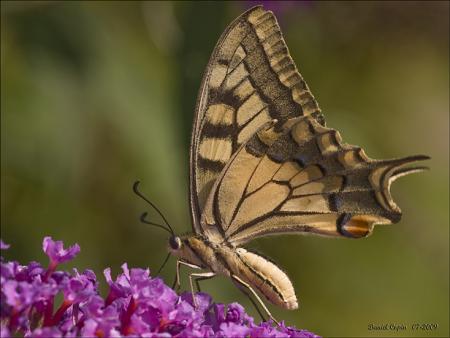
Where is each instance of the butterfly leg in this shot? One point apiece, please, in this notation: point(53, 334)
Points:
point(245, 292)
point(197, 276)
point(199, 279)
point(177, 276)
point(248, 287)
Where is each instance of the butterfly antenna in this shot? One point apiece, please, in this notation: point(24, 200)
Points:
point(145, 221)
point(163, 264)
point(144, 215)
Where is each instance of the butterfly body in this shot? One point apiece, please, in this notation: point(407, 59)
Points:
point(228, 260)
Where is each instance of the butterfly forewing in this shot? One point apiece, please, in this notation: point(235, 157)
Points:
point(250, 80)
point(302, 179)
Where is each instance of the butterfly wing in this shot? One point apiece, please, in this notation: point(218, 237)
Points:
point(302, 179)
point(250, 80)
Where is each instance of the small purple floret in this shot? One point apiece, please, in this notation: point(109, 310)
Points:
point(56, 252)
point(3, 245)
point(137, 305)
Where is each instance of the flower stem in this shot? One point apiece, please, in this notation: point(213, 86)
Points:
point(48, 312)
point(60, 312)
point(51, 268)
point(126, 328)
point(13, 320)
point(110, 298)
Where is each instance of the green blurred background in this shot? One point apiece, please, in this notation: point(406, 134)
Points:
point(95, 95)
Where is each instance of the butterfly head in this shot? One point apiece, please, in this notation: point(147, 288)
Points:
point(179, 246)
point(175, 243)
point(188, 248)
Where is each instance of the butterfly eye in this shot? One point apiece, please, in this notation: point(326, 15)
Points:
point(175, 242)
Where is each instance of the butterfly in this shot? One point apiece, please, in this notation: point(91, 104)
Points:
point(263, 162)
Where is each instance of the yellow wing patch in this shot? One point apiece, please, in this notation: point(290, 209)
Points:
point(220, 114)
point(215, 149)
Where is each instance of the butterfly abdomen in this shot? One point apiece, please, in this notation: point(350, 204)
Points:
point(267, 278)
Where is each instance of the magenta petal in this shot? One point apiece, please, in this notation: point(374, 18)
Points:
point(4, 332)
point(89, 328)
point(203, 300)
point(236, 313)
point(46, 332)
point(234, 330)
point(56, 252)
point(3, 245)
point(18, 295)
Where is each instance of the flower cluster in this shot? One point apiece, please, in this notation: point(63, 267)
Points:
point(137, 305)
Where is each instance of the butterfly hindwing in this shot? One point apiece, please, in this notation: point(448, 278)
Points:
point(250, 80)
point(302, 178)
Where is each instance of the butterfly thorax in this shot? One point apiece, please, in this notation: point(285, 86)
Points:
point(198, 250)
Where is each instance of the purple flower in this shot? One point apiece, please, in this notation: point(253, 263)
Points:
point(236, 314)
point(267, 330)
point(203, 300)
point(18, 295)
point(7, 270)
point(233, 330)
point(3, 246)
point(99, 318)
point(80, 287)
point(45, 332)
point(4, 332)
point(121, 287)
point(137, 305)
point(94, 328)
point(295, 333)
point(216, 316)
point(28, 272)
point(56, 252)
